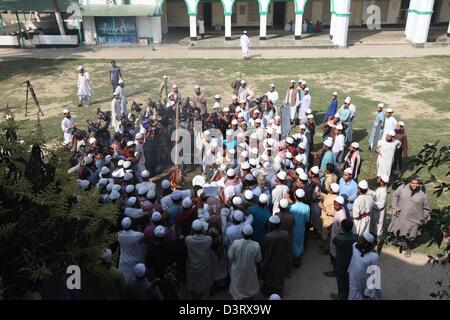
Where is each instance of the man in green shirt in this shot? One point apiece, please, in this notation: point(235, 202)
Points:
point(344, 248)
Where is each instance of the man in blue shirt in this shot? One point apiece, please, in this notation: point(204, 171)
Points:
point(300, 211)
point(261, 216)
point(348, 186)
point(114, 75)
point(332, 107)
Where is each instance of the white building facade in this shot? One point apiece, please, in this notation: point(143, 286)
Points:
point(144, 21)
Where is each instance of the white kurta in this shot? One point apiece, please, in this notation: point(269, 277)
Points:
point(339, 144)
point(272, 96)
point(386, 156)
point(245, 45)
point(141, 164)
point(362, 205)
point(358, 275)
point(66, 124)
point(201, 26)
point(116, 112)
point(288, 100)
point(123, 100)
point(389, 125)
point(85, 90)
point(306, 104)
point(378, 210)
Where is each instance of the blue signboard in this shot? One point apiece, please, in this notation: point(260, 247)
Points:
point(116, 30)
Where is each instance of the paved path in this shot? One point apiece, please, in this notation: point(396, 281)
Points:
point(179, 52)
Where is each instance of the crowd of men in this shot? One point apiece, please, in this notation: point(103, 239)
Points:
point(258, 198)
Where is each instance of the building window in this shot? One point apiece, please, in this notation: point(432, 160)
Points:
point(384, 8)
point(253, 12)
point(242, 9)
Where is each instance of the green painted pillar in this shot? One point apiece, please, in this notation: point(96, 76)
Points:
point(21, 42)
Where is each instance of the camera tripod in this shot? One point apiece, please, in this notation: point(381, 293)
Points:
point(33, 94)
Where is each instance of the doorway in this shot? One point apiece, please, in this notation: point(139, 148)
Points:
point(207, 15)
point(279, 12)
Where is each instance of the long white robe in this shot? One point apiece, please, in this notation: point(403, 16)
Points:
point(66, 124)
point(85, 90)
point(305, 105)
point(362, 205)
point(288, 100)
point(123, 100)
point(389, 125)
point(244, 255)
point(140, 166)
point(358, 275)
point(245, 45)
point(386, 156)
point(378, 210)
point(116, 112)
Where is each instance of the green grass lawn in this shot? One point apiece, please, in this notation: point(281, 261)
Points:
point(417, 88)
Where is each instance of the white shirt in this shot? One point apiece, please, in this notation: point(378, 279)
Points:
point(66, 124)
point(84, 85)
point(245, 42)
point(123, 100)
point(273, 96)
point(358, 275)
point(339, 144)
point(389, 125)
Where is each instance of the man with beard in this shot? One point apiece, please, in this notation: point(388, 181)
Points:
point(199, 100)
point(386, 150)
point(352, 160)
point(66, 124)
point(293, 99)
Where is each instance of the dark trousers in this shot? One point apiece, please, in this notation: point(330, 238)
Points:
point(343, 285)
point(114, 85)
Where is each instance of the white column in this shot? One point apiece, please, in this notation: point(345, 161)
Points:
point(410, 20)
point(422, 21)
point(156, 28)
point(193, 27)
point(448, 30)
point(227, 27)
point(332, 25)
point(262, 27)
point(342, 12)
point(60, 22)
point(298, 26)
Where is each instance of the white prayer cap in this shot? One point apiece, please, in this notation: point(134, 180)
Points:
point(198, 181)
point(254, 151)
point(299, 171)
point(274, 219)
point(139, 270)
point(187, 203)
point(281, 175)
point(114, 195)
point(121, 81)
point(242, 101)
point(128, 176)
point(258, 120)
point(274, 296)
point(120, 163)
point(302, 126)
point(244, 154)
point(334, 187)
point(88, 159)
point(363, 185)
point(116, 187)
point(106, 254)
point(249, 177)
point(340, 200)
point(348, 100)
point(176, 195)
point(231, 172)
point(289, 140)
point(156, 216)
point(225, 212)
point(334, 93)
point(248, 195)
point(385, 178)
point(232, 151)
point(131, 201)
point(310, 116)
point(277, 118)
point(127, 164)
point(267, 165)
point(105, 170)
point(84, 184)
point(151, 194)
point(241, 134)
point(270, 131)
point(302, 145)
point(306, 89)
point(315, 170)
point(253, 162)
point(145, 174)
point(217, 96)
point(355, 145)
point(171, 103)
point(126, 223)
point(165, 184)
point(292, 81)
point(142, 190)
point(272, 85)
point(226, 109)
point(245, 31)
point(108, 158)
point(303, 82)
point(129, 188)
point(139, 136)
point(109, 187)
point(243, 81)
point(223, 167)
point(288, 155)
point(264, 157)
point(299, 193)
point(174, 86)
point(80, 68)
point(238, 215)
point(303, 176)
point(196, 87)
point(130, 143)
point(389, 110)
point(339, 127)
point(369, 237)
point(337, 115)
point(159, 231)
point(284, 203)
point(247, 230)
point(380, 105)
point(233, 97)
point(349, 171)
point(245, 165)
point(237, 201)
point(263, 198)
point(102, 182)
point(254, 136)
point(66, 110)
point(256, 173)
point(391, 133)
point(401, 123)
point(197, 225)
